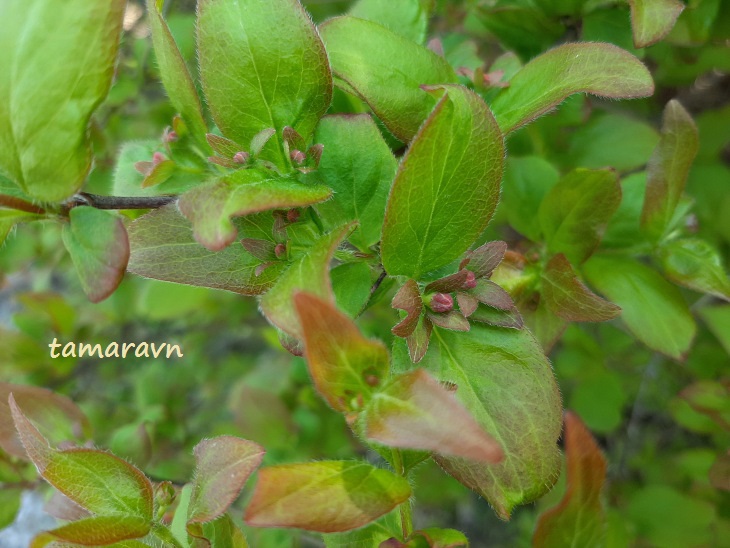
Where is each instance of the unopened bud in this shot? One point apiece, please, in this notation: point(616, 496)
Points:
point(241, 157)
point(292, 215)
point(297, 157)
point(471, 280)
point(171, 137)
point(441, 302)
point(158, 158)
point(280, 251)
point(372, 380)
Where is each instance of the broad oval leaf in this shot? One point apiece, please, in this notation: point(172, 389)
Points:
point(653, 309)
point(174, 73)
point(262, 65)
point(447, 186)
point(325, 496)
point(693, 263)
point(345, 366)
point(95, 531)
point(223, 465)
point(97, 481)
point(651, 20)
point(359, 167)
point(579, 518)
point(386, 70)
point(505, 381)
point(310, 273)
point(575, 212)
point(415, 412)
point(409, 18)
point(99, 247)
point(568, 298)
point(51, 81)
point(600, 69)
point(669, 165)
point(163, 248)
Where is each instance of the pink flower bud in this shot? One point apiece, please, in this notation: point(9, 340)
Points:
point(241, 157)
point(471, 280)
point(297, 157)
point(158, 158)
point(441, 302)
point(171, 137)
point(280, 251)
point(292, 215)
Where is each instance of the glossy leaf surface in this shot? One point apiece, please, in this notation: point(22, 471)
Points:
point(409, 18)
point(440, 203)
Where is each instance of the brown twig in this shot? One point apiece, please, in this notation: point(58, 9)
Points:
point(119, 202)
point(21, 205)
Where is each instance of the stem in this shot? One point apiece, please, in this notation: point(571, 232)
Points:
point(377, 283)
point(121, 202)
point(406, 517)
point(21, 205)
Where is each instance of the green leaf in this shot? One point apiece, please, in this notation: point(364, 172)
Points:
point(579, 519)
point(442, 201)
point(223, 465)
point(717, 319)
point(9, 505)
point(409, 18)
point(11, 217)
point(651, 20)
point(95, 531)
point(567, 297)
point(345, 366)
point(503, 378)
point(54, 79)
point(99, 247)
point(163, 248)
point(695, 264)
point(668, 168)
point(56, 415)
point(224, 533)
point(352, 284)
point(575, 212)
point(439, 538)
point(359, 167)
point(307, 273)
point(174, 73)
point(97, 481)
point(600, 69)
point(262, 65)
point(386, 71)
point(324, 496)
point(211, 206)
point(415, 412)
point(653, 309)
point(370, 536)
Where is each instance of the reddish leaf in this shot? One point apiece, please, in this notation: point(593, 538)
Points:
point(491, 294)
point(409, 299)
point(467, 304)
point(95, 531)
point(418, 340)
point(448, 284)
point(61, 507)
point(415, 412)
point(452, 319)
point(484, 259)
point(579, 518)
point(223, 465)
point(325, 496)
point(502, 318)
point(568, 298)
point(223, 146)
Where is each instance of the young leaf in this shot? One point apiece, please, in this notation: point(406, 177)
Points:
point(95, 531)
point(99, 247)
point(11, 217)
point(441, 201)
point(97, 481)
point(223, 465)
point(502, 378)
point(415, 412)
point(579, 519)
point(352, 284)
point(575, 212)
point(308, 273)
point(54, 80)
point(174, 73)
point(600, 69)
point(223, 533)
point(386, 71)
point(653, 309)
point(211, 206)
point(324, 496)
point(359, 167)
point(651, 20)
point(720, 472)
point(668, 168)
point(163, 248)
point(280, 76)
point(693, 263)
point(568, 298)
point(370, 536)
point(409, 18)
point(344, 365)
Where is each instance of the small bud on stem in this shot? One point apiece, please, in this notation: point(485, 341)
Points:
point(158, 158)
point(280, 251)
point(241, 157)
point(297, 156)
point(441, 303)
point(471, 280)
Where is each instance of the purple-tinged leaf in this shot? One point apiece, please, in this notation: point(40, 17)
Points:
point(579, 519)
point(61, 507)
point(448, 284)
point(415, 412)
point(693, 263)
point(668, 168)
point(453, 319)
point(324, 496)
point(418, 341)
point(491, 294)
point(511, 318)
point(344, 365)
point(99, 247)
point(263, 250)
point(484, 259)
point(95, 531)
point(159, 173)
point(568, 298)
point(600, 69)
point(467, 304)
point(223, 162)
point(223, 146)
point(408, 298)
point(652, 20)
point(223, 465)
